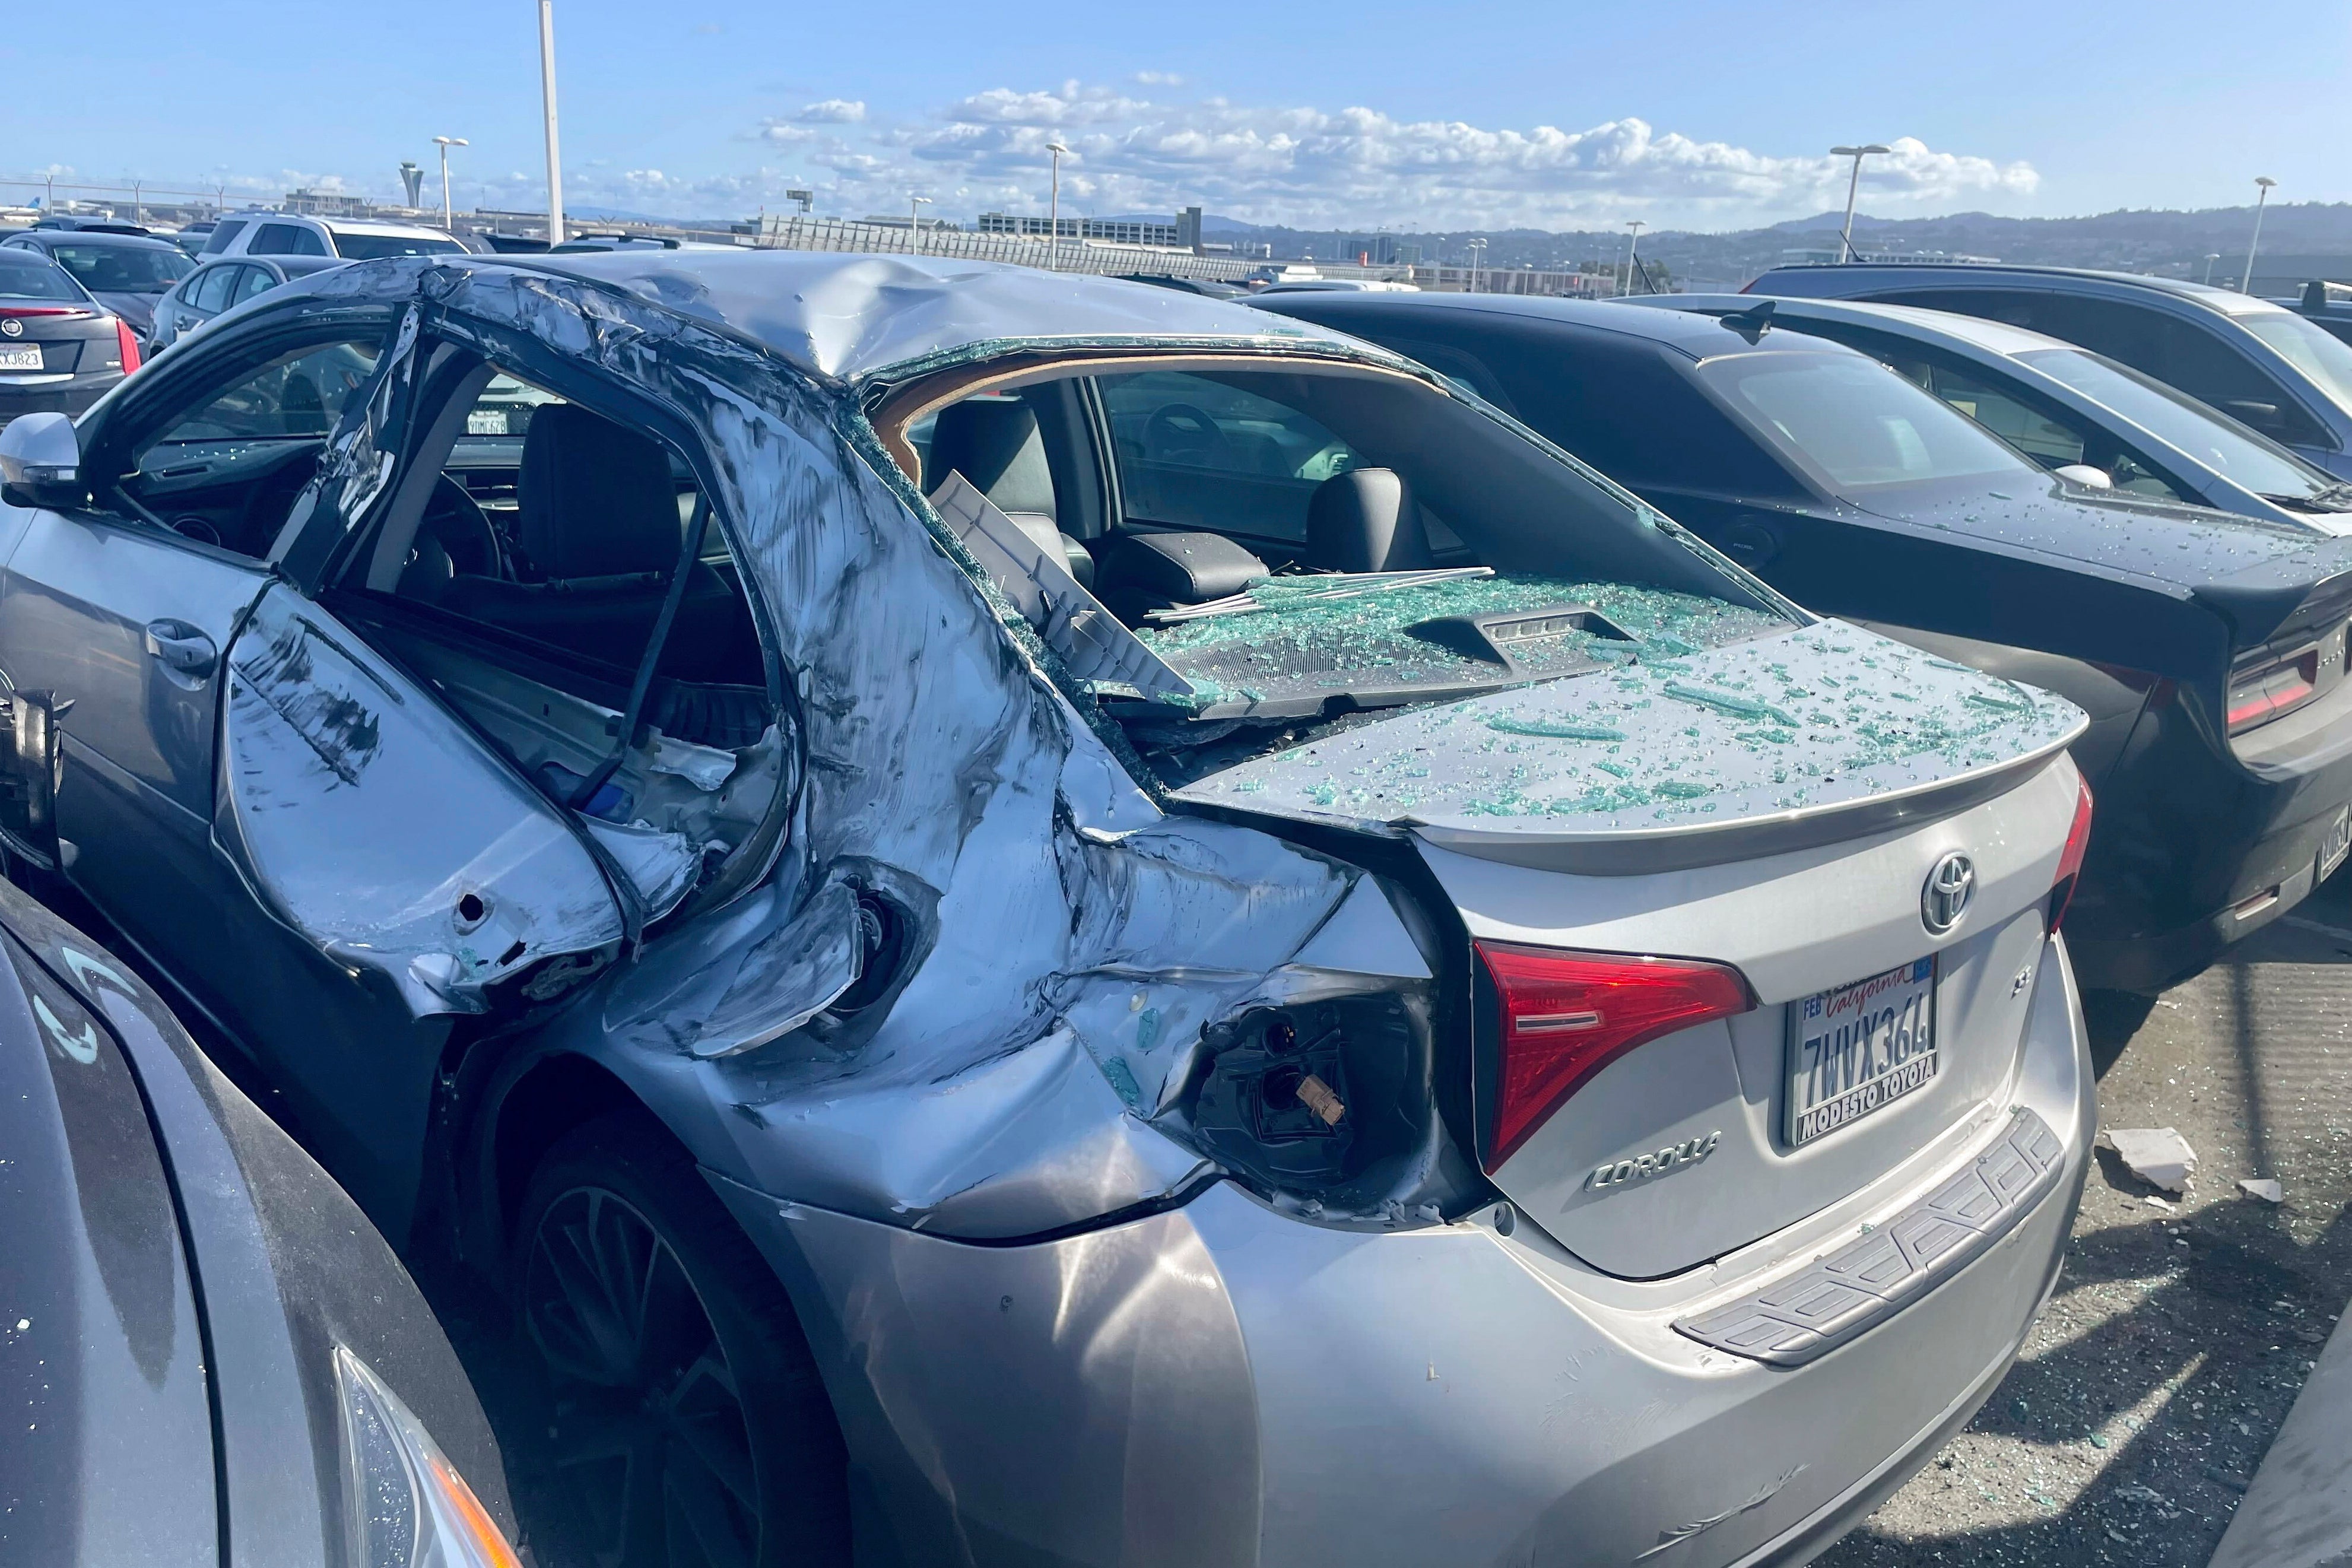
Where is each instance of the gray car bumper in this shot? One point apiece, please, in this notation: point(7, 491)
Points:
point(1221, 1383)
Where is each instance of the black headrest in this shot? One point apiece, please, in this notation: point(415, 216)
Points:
point(1365, 521)
point(596, 498)
point(1181, 568)
point(995, 443)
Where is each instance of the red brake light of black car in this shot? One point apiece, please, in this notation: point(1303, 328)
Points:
point(2070, 861)
point(2261, 694)
point(130, 344)
point(44, 311)
point(1566, 1015)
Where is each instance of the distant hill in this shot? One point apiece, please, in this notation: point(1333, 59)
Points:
point(2130, 239)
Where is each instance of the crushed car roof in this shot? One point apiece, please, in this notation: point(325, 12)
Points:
point(848, 316)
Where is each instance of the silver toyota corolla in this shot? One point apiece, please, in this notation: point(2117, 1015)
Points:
point(1263, 968)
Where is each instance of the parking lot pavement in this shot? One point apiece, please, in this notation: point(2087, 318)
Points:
point(2178, 1335)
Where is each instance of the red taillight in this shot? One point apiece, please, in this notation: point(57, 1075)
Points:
point(1566, 1015)
point(2070, 862)
point(123, 335)
point(2273, 689)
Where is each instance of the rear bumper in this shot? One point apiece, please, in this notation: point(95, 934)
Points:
point(71, 397)
point(1222, 1384)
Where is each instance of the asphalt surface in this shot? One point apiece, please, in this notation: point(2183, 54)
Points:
point(2178, 1335)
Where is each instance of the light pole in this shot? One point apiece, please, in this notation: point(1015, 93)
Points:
point(448, 219)
point(1053, 202)
point(1852, 186)
point(1478, 255)
point(915, 205)
point(2211, 258)
point(2264, 182)
point(547, 94)
point(1633, 254)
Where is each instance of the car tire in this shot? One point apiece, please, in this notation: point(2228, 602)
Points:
point(688, 1425)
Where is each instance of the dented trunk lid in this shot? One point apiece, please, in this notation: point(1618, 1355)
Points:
point(1774, 805)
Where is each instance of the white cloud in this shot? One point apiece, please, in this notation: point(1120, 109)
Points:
point(1159, 78)
point(833, 111)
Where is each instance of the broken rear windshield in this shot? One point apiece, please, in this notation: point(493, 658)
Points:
point(1300, 646)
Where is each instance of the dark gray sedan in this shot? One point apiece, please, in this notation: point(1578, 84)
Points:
point(61, 349)
point(206, 1354)
point(127, 272)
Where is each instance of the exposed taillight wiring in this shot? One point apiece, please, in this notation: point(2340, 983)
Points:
point(1566, 1014)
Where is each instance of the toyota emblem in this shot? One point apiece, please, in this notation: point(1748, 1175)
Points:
point(13, 327)
point(1945, 899)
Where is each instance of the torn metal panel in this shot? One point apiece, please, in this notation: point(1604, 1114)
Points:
point(323, 749)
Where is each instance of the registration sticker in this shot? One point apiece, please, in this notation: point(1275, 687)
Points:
point(1860, 1047)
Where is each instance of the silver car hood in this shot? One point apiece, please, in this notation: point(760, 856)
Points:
point(1799, 737)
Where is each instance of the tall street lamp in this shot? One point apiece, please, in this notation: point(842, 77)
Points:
point(1852, 186)
point(547, 95)
point(2264, 182)
point(448, 219)
point(1478, 255)
point(2211, 257)
point(1633, 254)
point(1053, 202)
point(915, 205)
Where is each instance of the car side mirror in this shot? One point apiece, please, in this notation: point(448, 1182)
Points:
point(2085, 475)
point(41, 462)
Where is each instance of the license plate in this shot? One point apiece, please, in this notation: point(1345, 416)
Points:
point(1859, 1049)
point(2339, 840)
point(20, 356)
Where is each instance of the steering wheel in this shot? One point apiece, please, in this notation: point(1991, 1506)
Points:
point(454, 523)
point(1180, 432)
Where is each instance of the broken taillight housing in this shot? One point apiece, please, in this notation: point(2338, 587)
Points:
point(1565, 1016)
point(2261, 694)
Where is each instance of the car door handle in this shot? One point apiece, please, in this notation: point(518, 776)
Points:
point(182, 648)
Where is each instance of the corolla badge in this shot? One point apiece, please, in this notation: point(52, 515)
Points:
point(1945, 899)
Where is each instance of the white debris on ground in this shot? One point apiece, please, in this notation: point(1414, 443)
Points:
point(2270, 1192)
point(2158, 1155)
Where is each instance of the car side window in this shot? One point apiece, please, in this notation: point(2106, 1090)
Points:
point(2190, 356)
point(1196, 454)
point(275, 239)
point(211, 294)
point(300, 393)
point(256, 281)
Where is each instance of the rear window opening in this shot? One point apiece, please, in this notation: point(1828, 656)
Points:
point(1286, 552)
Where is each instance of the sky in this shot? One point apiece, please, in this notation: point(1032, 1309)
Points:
point(1428, 116)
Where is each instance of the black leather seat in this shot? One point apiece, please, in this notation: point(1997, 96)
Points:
point(1366, 521)
point(598, 531)
point(994, 442)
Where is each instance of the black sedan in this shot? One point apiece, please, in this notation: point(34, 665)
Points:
point(2209, 648)
point(206, 1354)
point(61, 349)
point(127, 272)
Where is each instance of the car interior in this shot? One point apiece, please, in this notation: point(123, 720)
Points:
point(1199, 495)
point(554, 575)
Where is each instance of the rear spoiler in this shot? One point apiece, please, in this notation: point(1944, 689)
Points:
point(2285, 597)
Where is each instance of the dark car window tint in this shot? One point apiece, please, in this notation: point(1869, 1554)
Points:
point(1857, 422)
point(2191, 356)
point(1194, 453)
point(31, 276)
point(277, 239)
point(122, 268)
point(374, 247)
point(212, 292)
point(223, 232)
point(298, 394)
point(257, 279)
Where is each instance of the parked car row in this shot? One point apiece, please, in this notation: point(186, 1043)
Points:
point(1034, 918)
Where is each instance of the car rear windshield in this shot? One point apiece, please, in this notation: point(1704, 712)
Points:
point(1857, 422)
point(374, 247)
point(124, 268)
point(24, 276)
point(2313, 350)
point(2221, 445)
